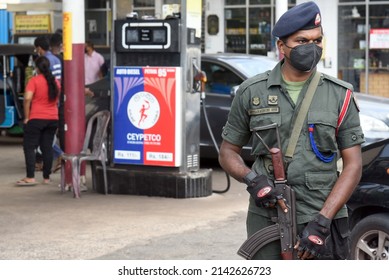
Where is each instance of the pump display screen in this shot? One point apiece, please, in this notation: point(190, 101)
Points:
point(159, 36)
point(145, 36)
point(132, 36)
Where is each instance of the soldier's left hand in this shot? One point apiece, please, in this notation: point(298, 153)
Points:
point(312, 240)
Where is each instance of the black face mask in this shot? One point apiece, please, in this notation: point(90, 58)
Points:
point(305, 57)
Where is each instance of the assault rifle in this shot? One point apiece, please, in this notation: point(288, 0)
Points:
point(285, 222)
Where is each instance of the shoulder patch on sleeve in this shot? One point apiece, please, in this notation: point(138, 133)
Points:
point(339, 82)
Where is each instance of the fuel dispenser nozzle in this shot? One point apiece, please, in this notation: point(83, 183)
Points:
point(200, 77)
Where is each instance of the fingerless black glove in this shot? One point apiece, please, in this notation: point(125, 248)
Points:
point(313, 238)
point(261, 190)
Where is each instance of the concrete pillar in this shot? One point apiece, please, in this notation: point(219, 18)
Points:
point(281, 8)
point(74, 76)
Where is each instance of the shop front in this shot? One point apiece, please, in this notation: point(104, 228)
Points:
point(248, 25)
point(363, 53)
point(360, 30)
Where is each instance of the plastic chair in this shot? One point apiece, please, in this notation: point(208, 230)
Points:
point(98, 152)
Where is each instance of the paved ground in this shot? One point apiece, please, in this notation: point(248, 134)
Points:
point(42, 223)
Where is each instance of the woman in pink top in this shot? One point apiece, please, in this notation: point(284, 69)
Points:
point(40, 119)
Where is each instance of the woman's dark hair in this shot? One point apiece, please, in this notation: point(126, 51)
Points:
point(43, 65)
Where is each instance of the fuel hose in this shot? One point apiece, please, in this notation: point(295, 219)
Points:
point(214, 143)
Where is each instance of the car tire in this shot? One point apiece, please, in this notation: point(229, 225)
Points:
point(370, 238)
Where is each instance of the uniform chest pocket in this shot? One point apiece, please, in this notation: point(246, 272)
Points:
point(322, 126)
point(269, 136)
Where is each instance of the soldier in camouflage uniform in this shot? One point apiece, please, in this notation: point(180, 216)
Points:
point(331, 130)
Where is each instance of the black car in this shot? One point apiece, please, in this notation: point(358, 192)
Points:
point(225, 71)
point(369, 205)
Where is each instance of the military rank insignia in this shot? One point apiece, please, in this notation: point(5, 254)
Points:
point(272, 100)
point(256, 101)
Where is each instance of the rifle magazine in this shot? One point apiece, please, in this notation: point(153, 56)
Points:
point(259, 239)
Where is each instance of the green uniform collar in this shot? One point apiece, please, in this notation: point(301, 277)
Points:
point(275, 75)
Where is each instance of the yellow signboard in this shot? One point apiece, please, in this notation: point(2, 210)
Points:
point(32, 23)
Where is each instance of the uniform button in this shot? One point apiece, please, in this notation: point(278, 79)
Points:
point(354, 137)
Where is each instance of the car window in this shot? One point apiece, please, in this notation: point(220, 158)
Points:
point(219, 79)
point(253, 66)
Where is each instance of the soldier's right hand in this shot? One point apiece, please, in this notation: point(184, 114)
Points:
point(263, 192)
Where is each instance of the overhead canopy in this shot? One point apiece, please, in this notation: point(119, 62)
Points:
point(16, 49)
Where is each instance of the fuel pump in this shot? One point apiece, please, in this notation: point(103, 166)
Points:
point(155, 104)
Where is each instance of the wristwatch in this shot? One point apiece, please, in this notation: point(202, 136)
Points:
point(248, 179)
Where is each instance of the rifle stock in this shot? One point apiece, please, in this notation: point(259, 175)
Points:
point(285, 226)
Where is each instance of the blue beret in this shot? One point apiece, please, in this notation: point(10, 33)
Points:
point(303, 16)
